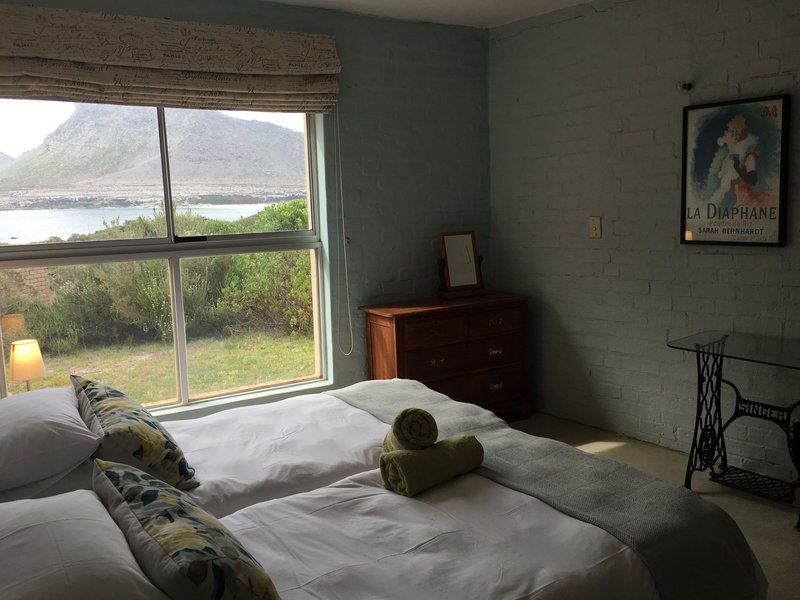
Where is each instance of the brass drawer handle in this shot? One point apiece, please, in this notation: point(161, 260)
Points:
point(496, 351)
point(495, 387)
point(496, 322)
point(437, 362)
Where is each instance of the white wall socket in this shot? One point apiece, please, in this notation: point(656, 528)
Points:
point(595, 227)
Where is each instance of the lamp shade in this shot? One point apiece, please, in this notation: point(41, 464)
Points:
point(26, 361)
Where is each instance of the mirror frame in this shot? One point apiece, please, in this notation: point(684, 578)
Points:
point(446, 267)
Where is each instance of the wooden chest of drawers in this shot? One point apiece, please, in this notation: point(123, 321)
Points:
point(471, 349)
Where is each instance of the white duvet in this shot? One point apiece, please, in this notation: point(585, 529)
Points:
point(248, 455)
point(467, 539)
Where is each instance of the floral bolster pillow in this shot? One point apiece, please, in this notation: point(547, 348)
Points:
point(182, 549)
point(130, 434)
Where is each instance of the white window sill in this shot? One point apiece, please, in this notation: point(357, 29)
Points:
point(202, 408)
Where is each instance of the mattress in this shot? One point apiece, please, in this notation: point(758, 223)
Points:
point(470, 538)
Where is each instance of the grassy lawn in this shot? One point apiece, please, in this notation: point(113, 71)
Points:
point(146, 372)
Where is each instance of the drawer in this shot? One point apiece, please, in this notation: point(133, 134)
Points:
point(500, 385)
point(496, 351)
point(435, 363)
point(457, 388)
point(499, 390)
point(433, 332)
point(495, 321)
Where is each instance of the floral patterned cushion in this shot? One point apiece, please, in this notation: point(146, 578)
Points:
point(183, 550)
point(130, 434)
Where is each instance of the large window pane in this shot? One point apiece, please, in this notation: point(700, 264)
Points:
point(249, 320)
point(109, 322)
point(84, 173)
point(79, 172)
point(227, 168)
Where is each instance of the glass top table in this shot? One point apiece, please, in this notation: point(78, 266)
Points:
point(744, 346)
point(708, 451)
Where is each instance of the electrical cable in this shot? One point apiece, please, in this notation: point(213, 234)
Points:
point(341, 249)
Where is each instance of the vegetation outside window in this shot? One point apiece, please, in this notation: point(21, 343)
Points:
point(172, 253)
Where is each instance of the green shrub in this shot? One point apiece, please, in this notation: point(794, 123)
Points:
point(207, 312)
point(138, 297)
point(56, 332)
point(273, 289)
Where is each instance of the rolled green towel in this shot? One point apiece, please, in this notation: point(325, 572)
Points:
point(409, 472)
point(412, 429)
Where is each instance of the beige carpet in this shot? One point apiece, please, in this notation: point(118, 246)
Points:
point(768, 526)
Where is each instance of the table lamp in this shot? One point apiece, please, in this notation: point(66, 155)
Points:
point(26, 362)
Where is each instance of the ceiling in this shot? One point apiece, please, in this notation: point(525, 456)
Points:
point(474, 13)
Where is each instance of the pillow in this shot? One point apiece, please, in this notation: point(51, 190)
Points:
point(131, 435)
point(184, 550)
point(41, 435)
point(67, 546)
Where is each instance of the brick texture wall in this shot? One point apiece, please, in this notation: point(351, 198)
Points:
point(585, 119)
point(38, 282)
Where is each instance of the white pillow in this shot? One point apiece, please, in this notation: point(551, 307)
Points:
point(41, 434)
point(67, 546)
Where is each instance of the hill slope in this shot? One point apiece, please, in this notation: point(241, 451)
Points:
point(104, 147)
point(5, 160)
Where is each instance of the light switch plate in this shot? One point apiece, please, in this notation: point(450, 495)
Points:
point(595, 227)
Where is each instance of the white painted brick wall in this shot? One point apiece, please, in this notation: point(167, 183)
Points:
point(585, 119)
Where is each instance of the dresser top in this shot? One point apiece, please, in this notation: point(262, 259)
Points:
point(438, 305)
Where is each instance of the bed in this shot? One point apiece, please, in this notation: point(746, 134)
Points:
point(692, 548)
point(539, 519)
point(469, 538)
point(251, 454)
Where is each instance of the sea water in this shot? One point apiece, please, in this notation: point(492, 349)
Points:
point(37, 225)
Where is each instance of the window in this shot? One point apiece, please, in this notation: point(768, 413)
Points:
point(171, 253)
point(67, 171)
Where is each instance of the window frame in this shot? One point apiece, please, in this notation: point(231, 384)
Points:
point(173, 248)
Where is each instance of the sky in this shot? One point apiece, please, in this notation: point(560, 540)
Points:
point(25, 123)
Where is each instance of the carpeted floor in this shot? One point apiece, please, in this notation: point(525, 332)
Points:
point(768, 526)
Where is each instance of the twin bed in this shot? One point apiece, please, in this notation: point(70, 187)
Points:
point(296, 483)
point(251, 454)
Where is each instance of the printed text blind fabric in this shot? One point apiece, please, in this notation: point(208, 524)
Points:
point(54, 54)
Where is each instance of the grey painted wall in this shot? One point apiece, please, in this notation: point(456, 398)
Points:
point(414, 136)
point(585, 119)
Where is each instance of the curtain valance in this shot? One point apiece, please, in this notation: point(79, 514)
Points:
point(54, 54)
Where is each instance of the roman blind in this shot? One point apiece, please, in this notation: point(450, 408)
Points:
point(54, 54)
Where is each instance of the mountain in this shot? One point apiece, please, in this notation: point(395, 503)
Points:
point(5, 160)
point(102, 147)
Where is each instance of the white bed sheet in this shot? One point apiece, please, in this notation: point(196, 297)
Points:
point(252, 454)
point(468, 539)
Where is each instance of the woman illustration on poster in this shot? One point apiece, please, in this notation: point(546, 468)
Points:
point(739, 172)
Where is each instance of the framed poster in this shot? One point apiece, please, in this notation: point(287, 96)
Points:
point(734, 172)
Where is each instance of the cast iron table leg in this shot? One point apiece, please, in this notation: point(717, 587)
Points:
point(708, 443)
